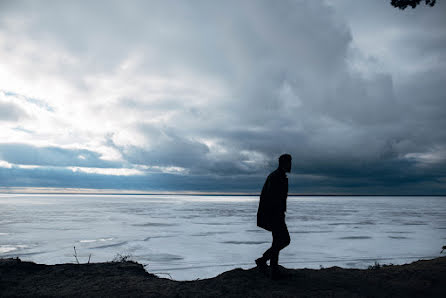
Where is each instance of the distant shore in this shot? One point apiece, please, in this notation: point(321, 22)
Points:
point(425, 278)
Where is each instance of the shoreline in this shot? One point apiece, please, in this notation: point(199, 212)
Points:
point(424, 278)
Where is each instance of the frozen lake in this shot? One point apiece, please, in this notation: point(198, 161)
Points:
point(193, 237)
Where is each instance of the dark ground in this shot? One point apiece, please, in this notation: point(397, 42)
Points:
point(419, 279)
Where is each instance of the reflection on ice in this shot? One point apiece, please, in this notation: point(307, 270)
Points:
point(9, 248)
point(193, 237)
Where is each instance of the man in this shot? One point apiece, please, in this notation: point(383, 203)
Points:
point(271, 214)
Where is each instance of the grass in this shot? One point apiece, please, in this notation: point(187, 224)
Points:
point(119, 258)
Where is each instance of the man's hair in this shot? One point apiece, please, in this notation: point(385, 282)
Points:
point(284, 158)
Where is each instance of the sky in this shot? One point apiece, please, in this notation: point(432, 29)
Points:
point(206, 95)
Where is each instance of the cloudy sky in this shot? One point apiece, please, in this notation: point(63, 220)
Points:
point(205, 95)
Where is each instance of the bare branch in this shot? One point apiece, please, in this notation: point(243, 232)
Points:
point(75, 254)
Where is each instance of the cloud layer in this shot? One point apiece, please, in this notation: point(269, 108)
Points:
point(205, 96)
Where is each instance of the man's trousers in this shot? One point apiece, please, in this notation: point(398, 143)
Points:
point(281, 239)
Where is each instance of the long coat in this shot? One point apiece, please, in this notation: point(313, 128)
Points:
point(272, 204)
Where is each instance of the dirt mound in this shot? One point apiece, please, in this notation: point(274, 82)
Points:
point(422, 279)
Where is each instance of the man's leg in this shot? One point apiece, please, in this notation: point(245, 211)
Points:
point(261, 262)
point(281, 239)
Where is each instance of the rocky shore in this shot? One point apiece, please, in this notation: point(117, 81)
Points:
point(426, 278)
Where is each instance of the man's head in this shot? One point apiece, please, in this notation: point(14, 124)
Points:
point(285, 162)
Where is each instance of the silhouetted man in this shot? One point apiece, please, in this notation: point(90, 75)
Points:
point(271, 213)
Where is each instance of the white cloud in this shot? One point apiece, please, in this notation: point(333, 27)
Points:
point(5, 164)
point(107, 171)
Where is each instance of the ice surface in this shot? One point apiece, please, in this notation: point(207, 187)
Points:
point(192, 237)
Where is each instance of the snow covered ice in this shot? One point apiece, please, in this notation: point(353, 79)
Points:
point(192, 237)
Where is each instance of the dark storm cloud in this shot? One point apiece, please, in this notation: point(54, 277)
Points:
point(305, 184)
point(288, 85)
point(64, 178)
point(52, 156)
point(168, 149)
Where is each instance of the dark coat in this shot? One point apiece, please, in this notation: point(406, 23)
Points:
point(272, 205)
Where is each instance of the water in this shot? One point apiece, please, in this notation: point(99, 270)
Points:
point(192, 237)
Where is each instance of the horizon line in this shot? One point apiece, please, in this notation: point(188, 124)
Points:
point(90, 191)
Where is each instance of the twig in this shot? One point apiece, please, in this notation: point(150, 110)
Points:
point(75, 254)
point(89, 259)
